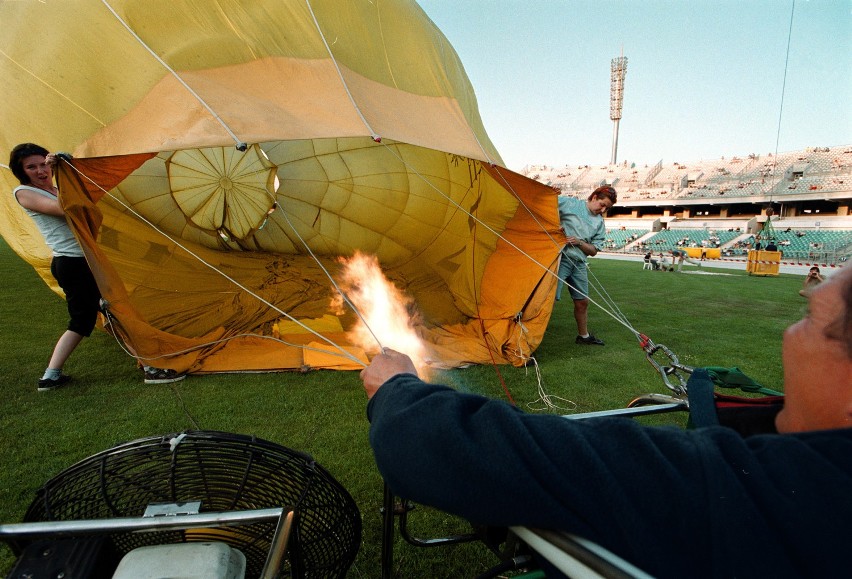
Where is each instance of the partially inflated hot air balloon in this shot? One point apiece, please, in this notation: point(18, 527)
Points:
point(226, 154)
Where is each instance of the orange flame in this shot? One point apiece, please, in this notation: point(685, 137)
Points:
point(389, 316)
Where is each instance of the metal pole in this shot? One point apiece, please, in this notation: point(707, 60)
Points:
point(95, 526)
point(614, 142)
point(618, 68)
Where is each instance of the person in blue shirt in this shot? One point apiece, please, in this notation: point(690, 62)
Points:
point(678, 255)
point(583, 225)
point(705, 502)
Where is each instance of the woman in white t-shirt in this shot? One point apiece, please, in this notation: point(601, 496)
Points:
point(33, 166)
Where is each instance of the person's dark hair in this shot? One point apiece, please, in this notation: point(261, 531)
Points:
point(17, 156)
point(605, 191)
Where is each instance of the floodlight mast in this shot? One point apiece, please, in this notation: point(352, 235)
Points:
point(616, 99)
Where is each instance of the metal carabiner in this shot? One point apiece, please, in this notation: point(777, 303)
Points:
point(671, 373)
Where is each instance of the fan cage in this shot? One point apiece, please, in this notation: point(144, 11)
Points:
point(225, 472)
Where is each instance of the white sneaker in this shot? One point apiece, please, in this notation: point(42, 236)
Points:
point(162, 376)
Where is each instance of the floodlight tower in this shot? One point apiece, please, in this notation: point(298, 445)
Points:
point(616, 98)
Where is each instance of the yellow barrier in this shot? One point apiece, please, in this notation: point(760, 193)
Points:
point(709, 252)
point(763, 262)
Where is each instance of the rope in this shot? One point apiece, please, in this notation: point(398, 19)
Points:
point(49, 86)
point(240, 144)
point(546, 399)
point(334, 283)
point(512, 245)
point(373, 133)
point(485, 334)
point(201, 260)
point(604, 295)
point(783, 89)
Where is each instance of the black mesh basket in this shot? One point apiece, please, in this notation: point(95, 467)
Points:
point(225, 472)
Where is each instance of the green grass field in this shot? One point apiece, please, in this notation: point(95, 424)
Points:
point(728, 319)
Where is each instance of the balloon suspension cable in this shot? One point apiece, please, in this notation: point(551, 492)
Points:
point(373, 133)
point(673, 373)
point(546, 269)
point(239, 143)
point(783, 89)
point(613, 311)
point(113, 326)
point(604, 296)
point(334, 283)
point(343, 352)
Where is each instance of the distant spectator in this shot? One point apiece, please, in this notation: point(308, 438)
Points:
point(649, 257)
point(678, 255)
point(813, 279)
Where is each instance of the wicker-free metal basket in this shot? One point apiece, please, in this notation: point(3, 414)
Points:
point(225, 472)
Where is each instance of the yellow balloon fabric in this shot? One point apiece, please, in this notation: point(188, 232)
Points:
point(225, 159)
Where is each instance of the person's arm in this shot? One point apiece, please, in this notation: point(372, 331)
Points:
point(589, 248)
point(596, 243)
point(584, 246)
point(39, 203)
point(491, 463)
point(661, 497)
point(383, 367)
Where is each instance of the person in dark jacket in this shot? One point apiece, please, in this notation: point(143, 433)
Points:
point(676, 503)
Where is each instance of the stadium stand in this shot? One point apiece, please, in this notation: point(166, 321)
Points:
point(725, 202)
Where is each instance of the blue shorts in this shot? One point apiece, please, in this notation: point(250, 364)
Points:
point(576, 274)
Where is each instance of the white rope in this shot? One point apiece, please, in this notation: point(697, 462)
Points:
point(272, 306)
point(783, 89)
point(373, 133)
point(240, 144)
point(605, 297)
point(50, 87)
point(333, 282)
point(617, 314)
point(115, 331)
point(544, 401)
point(518, 249)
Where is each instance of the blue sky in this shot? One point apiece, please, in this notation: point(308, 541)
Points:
point(704, 77)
